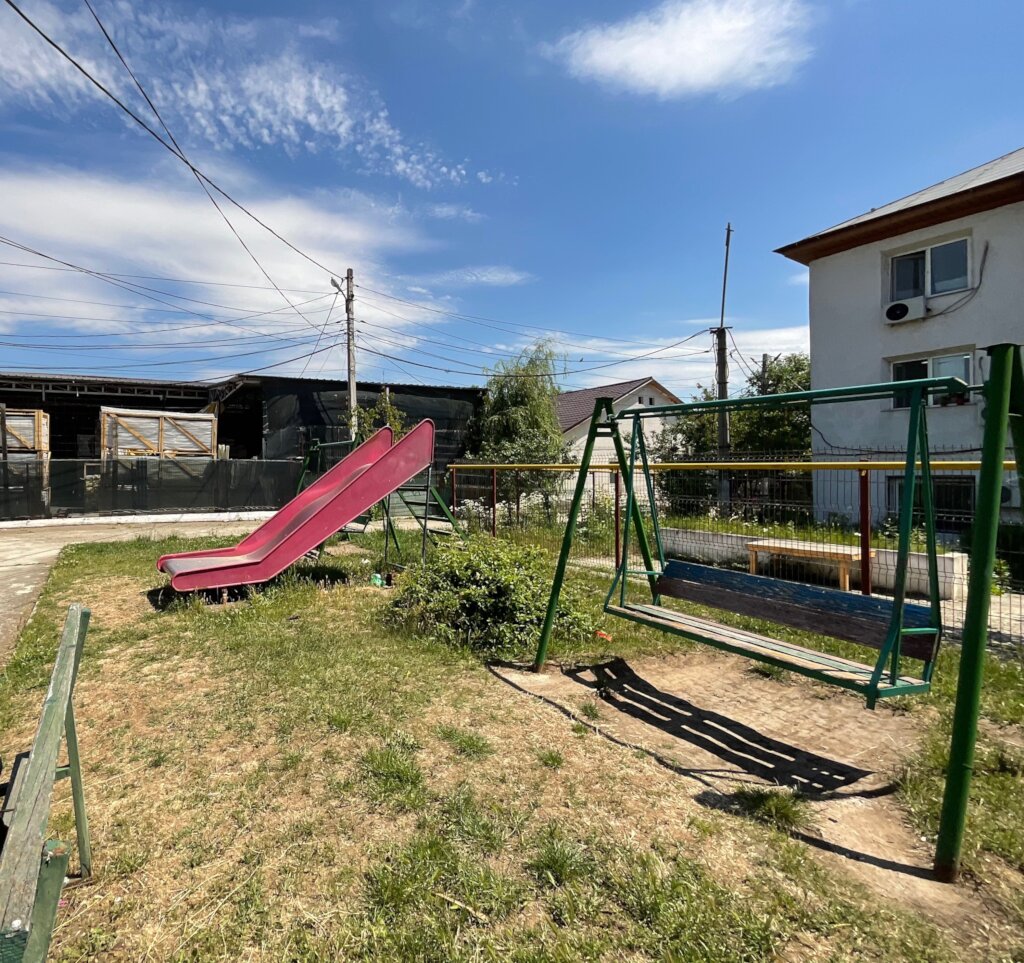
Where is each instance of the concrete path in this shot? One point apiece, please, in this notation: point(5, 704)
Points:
point(26, 554)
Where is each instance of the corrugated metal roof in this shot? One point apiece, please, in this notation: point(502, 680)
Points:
point(994, 170)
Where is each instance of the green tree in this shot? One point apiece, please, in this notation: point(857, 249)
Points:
point(518, 423)
point(382, 412)
point(763, 429)
point(519, 419)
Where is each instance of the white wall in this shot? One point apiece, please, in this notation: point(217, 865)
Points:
point(604, 450)
point(852, 344)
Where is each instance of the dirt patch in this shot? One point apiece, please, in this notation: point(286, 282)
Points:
point(714, 722)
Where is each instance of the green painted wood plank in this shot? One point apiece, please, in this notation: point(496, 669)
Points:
point(813, 664)
point(23, 847)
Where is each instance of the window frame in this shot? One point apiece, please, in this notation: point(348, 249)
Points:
point(929, 359)
point(927, 249)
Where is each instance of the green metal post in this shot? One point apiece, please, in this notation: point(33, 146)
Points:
point(952, 822)
point(637, 516)
point(77, 792)
point(630, 507)
point(928, 503)
point(602, 408)
point(649, 478)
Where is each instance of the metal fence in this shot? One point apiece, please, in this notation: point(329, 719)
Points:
point(57, 488)
point(833, 522)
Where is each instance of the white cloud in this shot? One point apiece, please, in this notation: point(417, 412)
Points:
point(454, 212)
point(488, 275)
point(151, 228)
point(799, 279)
point(226, 82)
point(686, 48)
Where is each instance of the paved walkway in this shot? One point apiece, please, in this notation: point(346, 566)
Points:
point(26, 555)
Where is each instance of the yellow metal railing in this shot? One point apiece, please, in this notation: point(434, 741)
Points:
point(741, 466)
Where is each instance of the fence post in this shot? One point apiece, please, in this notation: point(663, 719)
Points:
point(455, 495)
point(618, 519)
point(865, 531)
point(494, 502)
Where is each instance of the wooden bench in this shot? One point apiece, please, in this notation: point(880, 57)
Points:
point(813, 551)
point(32, 867)
point(863, 620)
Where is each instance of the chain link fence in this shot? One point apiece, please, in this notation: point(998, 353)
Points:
point(833, 522)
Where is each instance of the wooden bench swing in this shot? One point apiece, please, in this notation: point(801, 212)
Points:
point(896, 628)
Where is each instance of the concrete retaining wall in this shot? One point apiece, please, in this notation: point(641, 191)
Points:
point(719, 548)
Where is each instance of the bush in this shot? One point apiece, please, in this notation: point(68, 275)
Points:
point(488, 594)
point(1009, 549)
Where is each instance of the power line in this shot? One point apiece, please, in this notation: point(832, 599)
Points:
point(502, 355)
point(143, 307)
point(156, 136)
point(181, 153)
point(489, 322)
point(130, 287)
point(161, 277)
point(322, 330)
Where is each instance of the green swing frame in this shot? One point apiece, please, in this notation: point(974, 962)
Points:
point(1003, 394)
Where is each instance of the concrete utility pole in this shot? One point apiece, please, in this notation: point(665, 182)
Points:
point(350, 324)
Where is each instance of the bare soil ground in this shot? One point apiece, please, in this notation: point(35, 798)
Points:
point(718, 725)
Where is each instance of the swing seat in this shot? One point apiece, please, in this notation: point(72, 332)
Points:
point(860, 619)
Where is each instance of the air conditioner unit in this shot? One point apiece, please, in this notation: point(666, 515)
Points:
point(1011, 492)
point(912, 309)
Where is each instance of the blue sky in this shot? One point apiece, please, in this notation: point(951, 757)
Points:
point(565, 168)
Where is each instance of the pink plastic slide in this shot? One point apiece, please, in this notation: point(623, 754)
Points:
point(366, 476)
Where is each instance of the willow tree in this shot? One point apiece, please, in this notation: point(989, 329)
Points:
point(518, 423)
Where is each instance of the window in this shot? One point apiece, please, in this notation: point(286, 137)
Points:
point(936, 270)
point(650, 401)
point(953, 496)
point(941, 366)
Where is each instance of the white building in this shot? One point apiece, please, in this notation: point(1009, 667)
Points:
point(575, 409)
point(916, 288)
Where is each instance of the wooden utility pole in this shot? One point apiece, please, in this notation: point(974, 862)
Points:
point(350, 325)
point(722, 355)
point(722, 377)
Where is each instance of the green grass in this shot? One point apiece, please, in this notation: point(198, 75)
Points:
point(996, 819)
point(307, 805)
point(779, 808)
point(472, 745)
point(551, 759)
point(391, 775)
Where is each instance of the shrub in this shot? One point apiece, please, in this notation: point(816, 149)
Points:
point(488, 594)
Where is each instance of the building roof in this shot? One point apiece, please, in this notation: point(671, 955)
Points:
point(994, 184)
point(575, 407)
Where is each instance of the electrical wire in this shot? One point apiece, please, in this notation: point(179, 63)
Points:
point(181, 153)
point(161, 277)
point(489, 322)
point(501, 355)
point(144, 307)
point(322, 330)
point(156, 136)
point(128, 286)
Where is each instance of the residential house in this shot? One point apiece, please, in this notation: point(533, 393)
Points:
point(915, 288)
point(575, 409)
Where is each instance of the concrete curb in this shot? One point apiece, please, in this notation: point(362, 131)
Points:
point(211, 517)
